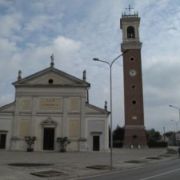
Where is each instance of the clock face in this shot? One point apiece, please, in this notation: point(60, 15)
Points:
point(132, 72)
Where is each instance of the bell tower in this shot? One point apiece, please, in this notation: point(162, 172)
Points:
point(133, 90)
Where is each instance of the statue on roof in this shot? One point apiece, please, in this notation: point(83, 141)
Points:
point(52, 60)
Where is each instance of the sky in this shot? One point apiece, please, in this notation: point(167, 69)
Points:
point(76, 31)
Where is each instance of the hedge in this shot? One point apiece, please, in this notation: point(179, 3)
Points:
point(157, 144)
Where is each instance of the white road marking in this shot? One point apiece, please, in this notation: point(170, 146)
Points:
point(161, 174)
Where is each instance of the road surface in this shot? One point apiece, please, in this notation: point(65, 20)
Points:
point(164, 170)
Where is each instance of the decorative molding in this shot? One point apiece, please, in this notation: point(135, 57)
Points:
point(96, 133)
point(49, 122)
point(135, 127)
point(131, 45)
point(82, 139)
point(3, 131)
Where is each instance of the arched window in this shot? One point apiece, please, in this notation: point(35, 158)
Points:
point(130, 32)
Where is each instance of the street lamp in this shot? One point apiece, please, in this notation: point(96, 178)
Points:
point(110, 88)
point(175, 124)
point(175, 107)
point(175, 131)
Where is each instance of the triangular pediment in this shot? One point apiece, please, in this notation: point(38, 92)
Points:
point(51, 76)
point(91, 109)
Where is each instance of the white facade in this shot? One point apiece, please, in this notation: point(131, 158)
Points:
point(51, 104)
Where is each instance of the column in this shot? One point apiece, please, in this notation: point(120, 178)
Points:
point(83, 130)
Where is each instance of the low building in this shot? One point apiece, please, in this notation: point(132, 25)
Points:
point(51, 104)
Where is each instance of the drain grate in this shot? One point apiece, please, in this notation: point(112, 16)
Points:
point(165, 155)
point(99, 167)
point(29, 164)
point(134, 161)
point(50, 173)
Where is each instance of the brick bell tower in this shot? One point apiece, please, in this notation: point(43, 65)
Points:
point(133, 91)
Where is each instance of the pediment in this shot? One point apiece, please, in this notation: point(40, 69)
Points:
point(48, 78)
point(51, 76)
point(49, 122)
point(7, 107)
point(91, 109)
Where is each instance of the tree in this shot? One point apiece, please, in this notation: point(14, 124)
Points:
point(169, 134)
point(154, 139)
point(153, 135)
point(118, 136)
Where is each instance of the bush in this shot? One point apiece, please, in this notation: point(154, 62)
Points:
point(157, 144)
point(63, 142)
point(30, 141)
point(117, 144)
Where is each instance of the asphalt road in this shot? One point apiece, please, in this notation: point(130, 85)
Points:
point(164, 170)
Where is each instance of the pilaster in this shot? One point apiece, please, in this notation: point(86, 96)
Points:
point(15, 138)
point(83, 130)
point(64, 127)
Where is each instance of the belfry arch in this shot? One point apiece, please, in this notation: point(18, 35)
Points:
point(130, 32)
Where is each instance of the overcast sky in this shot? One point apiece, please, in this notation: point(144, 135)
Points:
point(75, 31)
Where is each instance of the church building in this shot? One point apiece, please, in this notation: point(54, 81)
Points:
point(52, 104)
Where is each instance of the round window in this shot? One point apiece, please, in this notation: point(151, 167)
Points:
point(133, 102)
point(50, 81)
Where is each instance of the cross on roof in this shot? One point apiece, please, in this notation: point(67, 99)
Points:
point(129, 9)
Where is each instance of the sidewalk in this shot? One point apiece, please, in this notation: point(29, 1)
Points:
point(71, 164)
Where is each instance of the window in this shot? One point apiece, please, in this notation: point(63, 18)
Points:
point(50, 81)
point(133, 102)
point(132, 59)
point(130, 32)
point(133, 86)
point(2, 141)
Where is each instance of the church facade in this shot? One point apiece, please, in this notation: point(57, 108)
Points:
point(52, 104)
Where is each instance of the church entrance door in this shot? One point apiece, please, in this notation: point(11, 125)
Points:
point(48, 142)
point(2, 141)
point(96, 143)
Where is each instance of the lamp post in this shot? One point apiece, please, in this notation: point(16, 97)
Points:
point(110, 88)
point(175, 130)
point(175, 107)
point(175, 125)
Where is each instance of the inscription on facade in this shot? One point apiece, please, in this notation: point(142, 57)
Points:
point(54, 104)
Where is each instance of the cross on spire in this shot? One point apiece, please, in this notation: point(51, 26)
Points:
point(129, 9)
